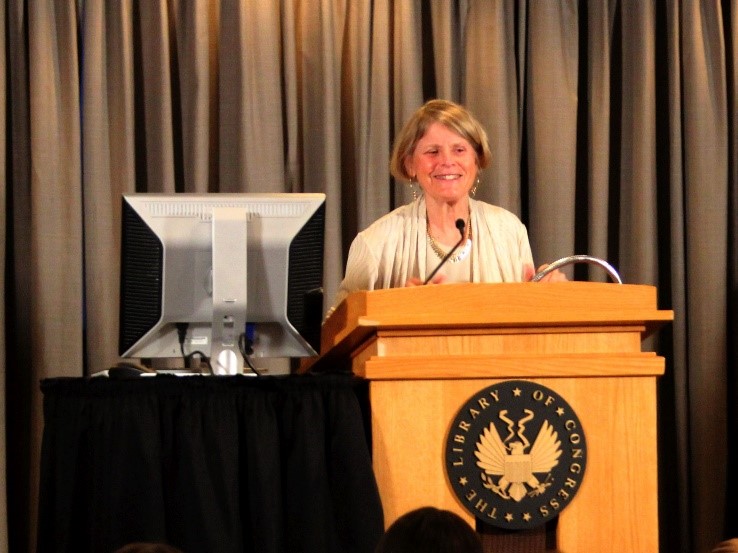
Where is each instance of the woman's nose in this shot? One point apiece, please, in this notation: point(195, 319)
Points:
point(446, 157)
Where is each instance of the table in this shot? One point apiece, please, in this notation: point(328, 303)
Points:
point(208, 464)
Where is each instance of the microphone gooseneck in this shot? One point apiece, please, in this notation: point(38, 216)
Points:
point(461, 225)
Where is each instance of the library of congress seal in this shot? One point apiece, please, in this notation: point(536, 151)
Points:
point(515, 454)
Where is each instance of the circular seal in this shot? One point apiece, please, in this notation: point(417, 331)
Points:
point(515, 454)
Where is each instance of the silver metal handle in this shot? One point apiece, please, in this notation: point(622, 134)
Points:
point(570, 260)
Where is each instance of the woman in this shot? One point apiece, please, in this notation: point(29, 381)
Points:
point(441, 149)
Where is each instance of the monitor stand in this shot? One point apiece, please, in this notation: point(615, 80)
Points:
point(229, 228)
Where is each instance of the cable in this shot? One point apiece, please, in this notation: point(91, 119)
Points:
point(203, 358)
point(245, 346)
point(187, 358)
point(181, 336)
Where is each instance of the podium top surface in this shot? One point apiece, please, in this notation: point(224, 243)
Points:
point(468, 305)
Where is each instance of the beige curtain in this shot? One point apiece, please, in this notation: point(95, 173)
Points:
point(612, 129)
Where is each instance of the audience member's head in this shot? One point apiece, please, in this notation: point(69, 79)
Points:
point(147, 547)
point(728, 546)
point(430, 530)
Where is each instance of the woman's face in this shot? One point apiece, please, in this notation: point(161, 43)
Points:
point(444, 164)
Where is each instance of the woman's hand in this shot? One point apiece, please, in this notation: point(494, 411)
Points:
point(415, 281)
point(554, 276)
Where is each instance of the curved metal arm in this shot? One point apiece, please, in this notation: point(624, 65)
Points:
point(578, 259)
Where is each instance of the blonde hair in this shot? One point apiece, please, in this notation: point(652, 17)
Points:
point(453, 116)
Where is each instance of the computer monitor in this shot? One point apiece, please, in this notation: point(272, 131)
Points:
point(214, 272)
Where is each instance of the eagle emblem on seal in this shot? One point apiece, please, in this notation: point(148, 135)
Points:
point(519, 468)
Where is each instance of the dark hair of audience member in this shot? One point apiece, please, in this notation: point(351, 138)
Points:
point(146, 547)
point(430, 530)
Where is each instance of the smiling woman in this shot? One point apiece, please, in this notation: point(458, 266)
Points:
point(444, 165)
point(441, 148)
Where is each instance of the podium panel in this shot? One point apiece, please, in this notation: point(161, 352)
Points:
point(427, 350)
point(614, 510)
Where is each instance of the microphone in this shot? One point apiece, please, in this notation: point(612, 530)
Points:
point(461, 225)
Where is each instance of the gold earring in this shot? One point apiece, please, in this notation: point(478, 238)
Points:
point(474, 188)
point(412, 187)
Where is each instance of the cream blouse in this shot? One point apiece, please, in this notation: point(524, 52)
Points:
point(394, 248)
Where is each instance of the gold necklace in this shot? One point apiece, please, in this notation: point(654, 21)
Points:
point(458, 256)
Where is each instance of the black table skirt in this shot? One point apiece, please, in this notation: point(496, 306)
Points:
point(208, 464)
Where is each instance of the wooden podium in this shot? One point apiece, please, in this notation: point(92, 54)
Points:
point(426, 350)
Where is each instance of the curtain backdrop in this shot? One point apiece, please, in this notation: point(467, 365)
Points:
point(612, 125)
